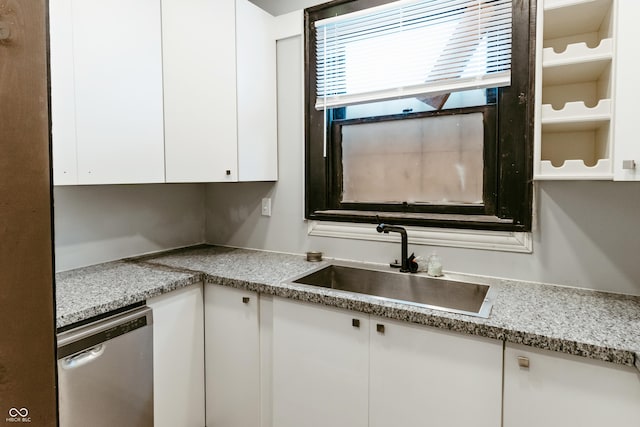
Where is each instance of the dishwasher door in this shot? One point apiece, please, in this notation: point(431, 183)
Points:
point(105, 372)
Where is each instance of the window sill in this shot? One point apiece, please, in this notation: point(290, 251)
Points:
point(504, 241)
point(421, 220)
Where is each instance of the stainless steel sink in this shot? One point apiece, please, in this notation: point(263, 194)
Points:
point(416, 289)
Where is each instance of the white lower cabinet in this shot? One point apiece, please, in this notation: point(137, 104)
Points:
point(320, 366)
point(232, 354)
point(422, 376)
point(334, 367)
point(276, 362)
point(178, 358)
point(569, 391)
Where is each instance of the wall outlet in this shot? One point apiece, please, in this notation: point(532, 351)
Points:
point(266, 206)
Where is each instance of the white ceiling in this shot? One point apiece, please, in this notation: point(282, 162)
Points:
point(280, 7)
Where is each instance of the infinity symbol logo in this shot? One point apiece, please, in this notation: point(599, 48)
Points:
point(15, 412)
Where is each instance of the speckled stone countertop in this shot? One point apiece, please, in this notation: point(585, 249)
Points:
point(91, 291)
point(580, 322)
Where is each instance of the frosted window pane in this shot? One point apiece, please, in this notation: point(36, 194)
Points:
point(427, 160)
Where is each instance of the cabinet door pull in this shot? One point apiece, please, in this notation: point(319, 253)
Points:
point(228, 172)
point(523, 362)
point(245, 300)
point(380, 328)
point(355, 323)
point(628, 164)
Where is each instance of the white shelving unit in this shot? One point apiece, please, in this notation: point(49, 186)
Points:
point(626, 155)
point(574, 90)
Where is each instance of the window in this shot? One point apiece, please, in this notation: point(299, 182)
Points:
point(419, 112)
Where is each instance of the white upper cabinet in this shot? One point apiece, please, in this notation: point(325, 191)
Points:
point(106, 69)
point(220, 96)
point(147, 91)
point(63, 114)
point(585, 90)
point(627, 148)
point(256, 91)
point(574, 89)
point(199, 54)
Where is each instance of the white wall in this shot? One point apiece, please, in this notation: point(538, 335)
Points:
point(588, 234)
point(101, 223)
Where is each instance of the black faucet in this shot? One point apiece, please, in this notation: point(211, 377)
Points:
point(384, 228)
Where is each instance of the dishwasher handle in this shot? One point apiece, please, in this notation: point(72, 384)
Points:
point(81, 359)
point(85, 338)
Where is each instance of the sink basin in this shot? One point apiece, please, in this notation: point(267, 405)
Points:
point(416, 289)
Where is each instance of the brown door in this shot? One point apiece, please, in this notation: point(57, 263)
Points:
point(27, 327)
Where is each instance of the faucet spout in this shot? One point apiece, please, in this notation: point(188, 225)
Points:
point(384, 228)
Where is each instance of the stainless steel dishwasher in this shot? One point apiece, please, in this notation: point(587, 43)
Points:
point(105, 372)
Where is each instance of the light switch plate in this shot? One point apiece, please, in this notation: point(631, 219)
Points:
point(266, 206)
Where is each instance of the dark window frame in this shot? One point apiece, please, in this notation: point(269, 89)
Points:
point(508, 193)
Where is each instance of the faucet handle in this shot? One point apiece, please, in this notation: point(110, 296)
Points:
point(412, 264)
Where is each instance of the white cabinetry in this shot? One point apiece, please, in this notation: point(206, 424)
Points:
point(113, 62)
point(199, 61)
point(427, 376)
point(586, 88)
point(562, 390)
point(340, 368)
point(627, 148)
point(220, 94)
point(178, 358)
point(256, 93)
point(232, 356)
point(574, 89)
point(106, 92)
point(320, 366)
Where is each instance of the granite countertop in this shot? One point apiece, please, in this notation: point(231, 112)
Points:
point(99, 289)
point(592, 324)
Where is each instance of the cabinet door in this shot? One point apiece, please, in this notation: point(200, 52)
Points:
point(562, 390)
point(232, 357)
point(178, 358)
point(117, 57)
point(627, 140)
point(320, 366)
point(199, 52)
point(257, 99)
point(429, 377)
point(63, 102)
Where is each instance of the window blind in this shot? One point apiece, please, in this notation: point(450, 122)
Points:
point(412, 47)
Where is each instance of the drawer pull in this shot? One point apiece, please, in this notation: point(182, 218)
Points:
point(355, 323)
point(245, 300)
point(380, 328)
point(523, 362)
